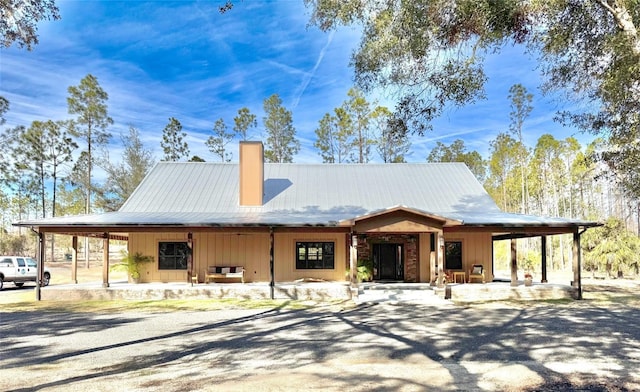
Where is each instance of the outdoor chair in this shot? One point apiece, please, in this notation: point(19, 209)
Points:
point(476, 272)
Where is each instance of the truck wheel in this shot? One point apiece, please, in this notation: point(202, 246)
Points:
point(1, 282)
point(20, 284)
point(47, 278)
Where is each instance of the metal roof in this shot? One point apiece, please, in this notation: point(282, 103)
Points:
point(346, 190)
point(202, 193)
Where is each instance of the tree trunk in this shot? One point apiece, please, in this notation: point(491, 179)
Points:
point(638, 218)
point(624, 21)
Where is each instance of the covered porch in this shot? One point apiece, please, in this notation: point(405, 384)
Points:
point(513, 232)
point(413, 240)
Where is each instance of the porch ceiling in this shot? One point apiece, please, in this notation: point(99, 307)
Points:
point(513, 236)
point(91, 234)
point(506, 232)
point(123, 233)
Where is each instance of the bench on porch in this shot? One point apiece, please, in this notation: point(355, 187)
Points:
point(215, 272)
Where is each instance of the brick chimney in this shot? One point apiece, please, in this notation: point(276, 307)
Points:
point(251, 173)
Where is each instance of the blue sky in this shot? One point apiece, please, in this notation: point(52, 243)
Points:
point(164, 59)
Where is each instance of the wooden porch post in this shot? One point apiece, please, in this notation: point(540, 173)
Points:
point(432, 259)
point(40, 261)
point(190, 258)
point(353, 265)
point(105, 260)
point(432, 267)
point(543, 252)
point(440, 258)
point(272, 282)
point(577, 265)
point(86, 252)
point(514, 262)
point(74, 259)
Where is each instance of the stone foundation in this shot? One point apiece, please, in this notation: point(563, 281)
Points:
point(317, 291)
point(478, 292)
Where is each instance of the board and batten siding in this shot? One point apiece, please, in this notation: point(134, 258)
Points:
point(477, 248)
point(147, 244)
point(249, 250)
point(246, 249)
point(424, 257)
point(285, 257)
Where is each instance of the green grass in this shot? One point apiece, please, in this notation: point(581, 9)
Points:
point(603, 296)
point(151, 306)
point(610, 300)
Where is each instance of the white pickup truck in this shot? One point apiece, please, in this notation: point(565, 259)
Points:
point(19, 269)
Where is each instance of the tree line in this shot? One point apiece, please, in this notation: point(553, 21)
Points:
point(560, 178)
point(42, 178)
point(49, 167)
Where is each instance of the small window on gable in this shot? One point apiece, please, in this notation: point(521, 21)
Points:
point(453, 255)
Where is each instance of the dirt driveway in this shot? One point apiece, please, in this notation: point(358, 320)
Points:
point(585, 345)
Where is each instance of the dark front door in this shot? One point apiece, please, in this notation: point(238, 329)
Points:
point(387, 261)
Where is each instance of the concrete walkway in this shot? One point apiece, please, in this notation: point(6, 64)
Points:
point(418, 293)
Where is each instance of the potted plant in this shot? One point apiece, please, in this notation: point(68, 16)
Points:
point(364, 271)
point(528, 279)
point(131, 263)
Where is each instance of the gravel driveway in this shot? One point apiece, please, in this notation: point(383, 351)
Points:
point(370, 347)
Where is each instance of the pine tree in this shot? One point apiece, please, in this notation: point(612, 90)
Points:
point(244, 121)
point(217, 143)
point(89, 102)
point(281, 143)
point(173, 144)
point(124, 177)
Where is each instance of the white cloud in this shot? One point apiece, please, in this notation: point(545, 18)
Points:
point(186, 60)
